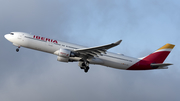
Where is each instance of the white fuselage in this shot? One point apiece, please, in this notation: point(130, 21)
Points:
point(113, 60)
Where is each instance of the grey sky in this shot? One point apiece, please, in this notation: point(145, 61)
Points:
point(143, 25)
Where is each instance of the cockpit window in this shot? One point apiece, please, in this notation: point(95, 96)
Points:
point(12, 33)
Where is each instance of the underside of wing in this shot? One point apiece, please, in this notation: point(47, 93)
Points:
point(96, 51)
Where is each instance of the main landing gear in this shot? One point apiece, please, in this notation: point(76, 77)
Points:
point(17, 50)
point(83, 64)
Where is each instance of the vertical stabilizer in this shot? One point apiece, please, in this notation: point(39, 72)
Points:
point(159, 55)
point(154, 60)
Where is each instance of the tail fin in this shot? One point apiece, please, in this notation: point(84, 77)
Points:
point(159, 55)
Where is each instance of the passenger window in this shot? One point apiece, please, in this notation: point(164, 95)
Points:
point(12, 33)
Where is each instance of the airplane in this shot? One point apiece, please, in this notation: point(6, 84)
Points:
point(68, 52)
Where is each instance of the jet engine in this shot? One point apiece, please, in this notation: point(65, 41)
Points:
point(64, 55)
point(62, 59)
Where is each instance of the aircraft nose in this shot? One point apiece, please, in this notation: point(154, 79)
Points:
point(5, 36)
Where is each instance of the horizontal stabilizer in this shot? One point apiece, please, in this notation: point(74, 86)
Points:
point(160, 65)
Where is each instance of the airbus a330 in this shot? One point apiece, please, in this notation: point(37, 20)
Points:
point(68, 52)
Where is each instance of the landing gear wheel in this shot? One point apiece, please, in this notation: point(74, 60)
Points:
point(84, 64)
point(86, 69)
point(17, 50)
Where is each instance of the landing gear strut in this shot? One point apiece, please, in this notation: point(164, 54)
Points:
point(83, 64)
point(17, 50)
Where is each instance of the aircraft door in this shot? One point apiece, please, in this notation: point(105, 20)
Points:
point(20, 37)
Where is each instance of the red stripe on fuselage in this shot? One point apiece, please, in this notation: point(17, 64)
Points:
point(144, 64)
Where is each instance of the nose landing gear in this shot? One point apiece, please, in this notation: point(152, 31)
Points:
point(17, 50)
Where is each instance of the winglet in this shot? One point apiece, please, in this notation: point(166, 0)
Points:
point(118, 42)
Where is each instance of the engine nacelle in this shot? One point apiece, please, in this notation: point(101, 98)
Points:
point(62, 59)
point(64, 53)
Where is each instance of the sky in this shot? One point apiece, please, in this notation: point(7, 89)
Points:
point(143, 25)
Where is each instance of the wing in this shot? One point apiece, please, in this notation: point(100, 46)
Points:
point(96, 51)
